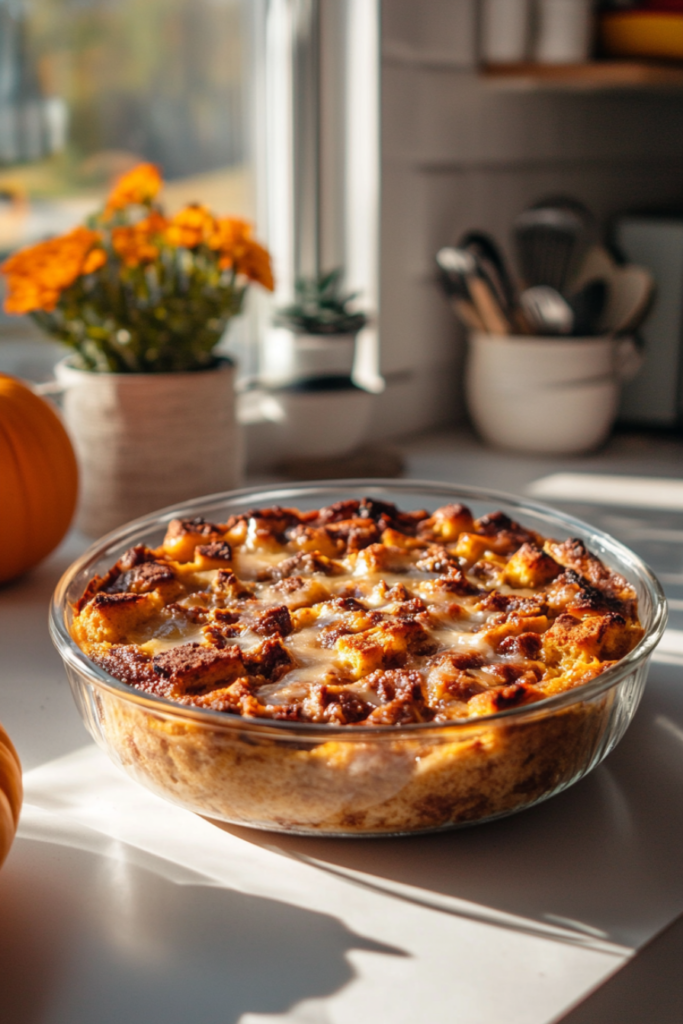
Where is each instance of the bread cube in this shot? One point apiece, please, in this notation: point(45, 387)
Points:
point(193, 668)
point(471, 547)
point(315, 539)
point(606, 637)
point(530, 567)
point(379, 558)
point(384, 646)
point(396, 539)
point(216, 555)
point(113, 618)
point(183, 536)
point(448, 522)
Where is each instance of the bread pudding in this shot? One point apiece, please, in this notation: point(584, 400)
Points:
point(356, 615)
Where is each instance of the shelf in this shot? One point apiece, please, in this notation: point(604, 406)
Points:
point(596, 75)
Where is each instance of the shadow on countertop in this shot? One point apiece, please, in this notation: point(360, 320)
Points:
point(105, 939)
point(599, 861)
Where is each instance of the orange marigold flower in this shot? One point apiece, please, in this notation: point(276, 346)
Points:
point(26, 295)
point(233, 238)
point(252, 260)
point(137, 187)
point(257, 266)
point(95, 259)
point(138, 243)
point(229, 232)
point(192, 226)
point(36, 276)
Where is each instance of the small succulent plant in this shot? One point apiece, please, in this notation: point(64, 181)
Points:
point(321, 308)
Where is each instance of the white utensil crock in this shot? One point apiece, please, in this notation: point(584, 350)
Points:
point(148, 440)
point(547, 395)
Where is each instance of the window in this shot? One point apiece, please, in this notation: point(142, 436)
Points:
point(89, 88)
point(206, 89)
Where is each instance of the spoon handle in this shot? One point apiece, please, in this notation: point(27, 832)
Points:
point(488, 308)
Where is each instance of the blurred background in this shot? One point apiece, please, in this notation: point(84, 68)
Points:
point(355, 133)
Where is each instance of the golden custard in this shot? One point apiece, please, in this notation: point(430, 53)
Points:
point(357, 614)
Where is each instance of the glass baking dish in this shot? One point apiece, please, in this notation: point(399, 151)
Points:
point(358, 780)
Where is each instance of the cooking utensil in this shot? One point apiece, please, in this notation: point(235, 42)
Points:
point(547, 311)
point(551, 239)
point(465, 279)
point(587, 305)
point(630, 291)
point(634, 294)
point(494, 265)
point(494, 268)
point(453, 270)
point(467, 315)
point(488, 307)
point(455, 266)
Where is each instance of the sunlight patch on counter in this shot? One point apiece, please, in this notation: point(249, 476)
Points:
point(604, 489)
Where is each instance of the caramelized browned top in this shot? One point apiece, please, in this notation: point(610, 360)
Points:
point(357, 613)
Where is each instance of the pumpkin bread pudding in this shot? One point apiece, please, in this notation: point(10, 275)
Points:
point(357, 614)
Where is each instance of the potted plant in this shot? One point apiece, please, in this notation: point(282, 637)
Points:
point(322, 412)
point(142, 299)
point(316, 334)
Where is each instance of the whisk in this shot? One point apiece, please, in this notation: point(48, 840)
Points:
point(551, 239)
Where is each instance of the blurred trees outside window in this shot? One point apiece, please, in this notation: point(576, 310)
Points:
point(89, 88)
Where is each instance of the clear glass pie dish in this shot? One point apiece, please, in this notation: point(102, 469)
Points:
point(347, 780)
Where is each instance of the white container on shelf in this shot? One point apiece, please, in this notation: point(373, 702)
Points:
point(505, 31)
point(547, 395)
point(564, 31)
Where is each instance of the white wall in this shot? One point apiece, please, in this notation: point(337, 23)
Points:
point(460, 152)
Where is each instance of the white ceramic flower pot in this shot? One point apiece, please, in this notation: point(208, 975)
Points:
point(144, 441)
point(294, 357)
point(547, 395)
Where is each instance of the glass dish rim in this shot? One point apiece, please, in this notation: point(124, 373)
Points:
point(74, 657)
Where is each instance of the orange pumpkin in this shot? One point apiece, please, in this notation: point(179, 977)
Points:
point(38, 478)
point(10, 793)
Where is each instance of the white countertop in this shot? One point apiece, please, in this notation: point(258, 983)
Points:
point(115, 906)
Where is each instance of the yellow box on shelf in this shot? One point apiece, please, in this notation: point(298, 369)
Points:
point(657, 34)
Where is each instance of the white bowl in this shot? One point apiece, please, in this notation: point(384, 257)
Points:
point(330, 422)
